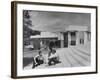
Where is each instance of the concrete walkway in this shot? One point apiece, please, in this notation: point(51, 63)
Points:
point(73, 56)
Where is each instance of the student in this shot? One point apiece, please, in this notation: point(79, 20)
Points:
point(39, 59)
point(53, 58)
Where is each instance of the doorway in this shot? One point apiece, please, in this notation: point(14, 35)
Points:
point(73, 38)
point(66, 39)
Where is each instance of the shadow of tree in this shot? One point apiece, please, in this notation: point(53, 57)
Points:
point(27, 61)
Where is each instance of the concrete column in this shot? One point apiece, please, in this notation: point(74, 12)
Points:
point(85, 37)
point(62, 43)
point(69, 39)
point(89, 36)
point(77, 38)
point(62, 40)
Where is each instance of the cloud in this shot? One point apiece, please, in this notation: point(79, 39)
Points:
point(58, 21)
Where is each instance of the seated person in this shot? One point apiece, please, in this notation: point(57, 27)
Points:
point(53, 58)
point(39, 59)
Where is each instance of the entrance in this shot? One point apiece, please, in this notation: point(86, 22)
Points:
point(73, 38)
point(66, 39)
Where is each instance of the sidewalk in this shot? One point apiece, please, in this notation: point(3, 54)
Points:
point(69, 57)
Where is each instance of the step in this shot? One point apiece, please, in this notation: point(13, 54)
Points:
point(70, 58)
point(81, 53)
point(79, 59)
point(83, 49)
point(65, 61)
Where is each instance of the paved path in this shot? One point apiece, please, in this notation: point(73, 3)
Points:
point(73, 56)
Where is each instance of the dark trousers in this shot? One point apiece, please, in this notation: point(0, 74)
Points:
point(54, 60)
point(39, 61)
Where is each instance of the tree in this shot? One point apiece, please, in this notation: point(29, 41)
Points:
point(26, 23)
point(27, 32)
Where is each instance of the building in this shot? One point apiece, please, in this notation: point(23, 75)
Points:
point(73, 35)
point(77, 35)
point(45, 39)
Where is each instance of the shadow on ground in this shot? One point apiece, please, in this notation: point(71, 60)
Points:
point(27, 61)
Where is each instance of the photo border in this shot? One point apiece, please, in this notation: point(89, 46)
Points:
point(14, 37)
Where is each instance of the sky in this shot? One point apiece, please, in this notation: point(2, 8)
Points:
point(58, 21)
